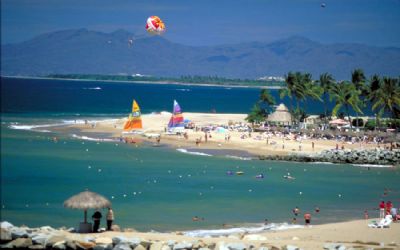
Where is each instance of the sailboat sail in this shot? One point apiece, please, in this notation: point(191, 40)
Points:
point(176, 120)
point(134, 119)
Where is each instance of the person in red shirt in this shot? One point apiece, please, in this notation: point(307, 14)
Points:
point(381, 210)
point(389, 206)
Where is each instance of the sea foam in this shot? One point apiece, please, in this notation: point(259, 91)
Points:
point(185, 151)
point(87, 138)
point(241, 230)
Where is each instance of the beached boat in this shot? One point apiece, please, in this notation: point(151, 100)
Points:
point(134, 121)
point(176, 123)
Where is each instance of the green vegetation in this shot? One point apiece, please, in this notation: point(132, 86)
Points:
point(383, 94)
point(183, 79)
point(262, 108)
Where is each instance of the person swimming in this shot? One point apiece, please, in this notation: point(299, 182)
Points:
point(259, 176)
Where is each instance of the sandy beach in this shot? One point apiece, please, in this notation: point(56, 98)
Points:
point(255, 143)
point(352, 233)
point(346, 235)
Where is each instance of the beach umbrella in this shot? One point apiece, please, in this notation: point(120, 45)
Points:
point(86, 200)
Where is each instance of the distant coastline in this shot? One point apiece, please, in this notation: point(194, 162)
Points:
point(161, 82)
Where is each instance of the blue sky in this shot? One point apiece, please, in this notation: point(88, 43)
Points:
point(211, 22)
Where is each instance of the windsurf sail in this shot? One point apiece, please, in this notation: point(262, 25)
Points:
point(134, 121)
point(176, 121)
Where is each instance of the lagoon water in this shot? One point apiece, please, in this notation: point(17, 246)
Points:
point(158, 188)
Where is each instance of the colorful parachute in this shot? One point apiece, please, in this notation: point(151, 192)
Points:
point(155, 26)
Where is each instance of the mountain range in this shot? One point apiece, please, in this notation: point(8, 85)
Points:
point(83, 51)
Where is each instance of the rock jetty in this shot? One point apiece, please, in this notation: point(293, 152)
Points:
point(372, 157)
point(46, 237)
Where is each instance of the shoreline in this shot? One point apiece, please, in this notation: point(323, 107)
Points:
point(241, 145)
point(355, 233)
point(147, 82)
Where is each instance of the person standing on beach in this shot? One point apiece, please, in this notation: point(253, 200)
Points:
point(382, 210)
point(307, 218)
point(366, 216)
point(110, 218)
point(388, 207)
point(96, 221)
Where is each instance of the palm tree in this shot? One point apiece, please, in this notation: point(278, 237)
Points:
point(262, 108)
point(387, 97)
point(373, 92)
point(358, 80)
point(266, 100)
point(345, 95)
point(257, 114)
point(295, 90)
point(326, 82)
point(290, 82)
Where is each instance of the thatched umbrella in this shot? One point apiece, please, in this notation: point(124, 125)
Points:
point(281, 115)
point(86, 200)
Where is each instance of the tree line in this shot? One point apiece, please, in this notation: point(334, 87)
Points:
point(383, 93)
point(182, 79)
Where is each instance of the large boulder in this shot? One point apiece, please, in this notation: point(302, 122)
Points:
point(17, 232)
point(255, 237)
point(237, 246)
point(84, 245)
point(139, 247)
point(157, 246)
point(5, 235)
point(6, 225)
point(118, 239)
point(103, 247)
point(122, 246)
point(59, 245)
point(183, 245)
point(37, 247)
point(53, 239)
point(19, 243)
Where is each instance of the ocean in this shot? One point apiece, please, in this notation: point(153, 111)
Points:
point(159, 188)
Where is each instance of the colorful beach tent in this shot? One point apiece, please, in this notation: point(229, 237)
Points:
point(176, 122)
point(134, 121)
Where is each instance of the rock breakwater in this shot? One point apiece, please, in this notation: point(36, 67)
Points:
point(65, 239)
point(371, 157)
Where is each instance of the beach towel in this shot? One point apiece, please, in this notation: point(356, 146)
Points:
point(384, 223)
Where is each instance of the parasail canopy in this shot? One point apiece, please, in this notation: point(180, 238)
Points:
point(155, 25)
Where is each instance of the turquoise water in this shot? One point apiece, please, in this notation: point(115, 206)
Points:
point(160, 188)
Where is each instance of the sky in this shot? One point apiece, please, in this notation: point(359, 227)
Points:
point(211, 22)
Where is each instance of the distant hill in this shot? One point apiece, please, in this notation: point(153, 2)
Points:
point(90, 52)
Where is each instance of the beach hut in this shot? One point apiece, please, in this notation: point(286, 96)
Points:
point(86, 200)
point(280, 116)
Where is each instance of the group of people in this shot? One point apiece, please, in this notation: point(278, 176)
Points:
point(96, 217)
point(388, 209)
point(307, 216)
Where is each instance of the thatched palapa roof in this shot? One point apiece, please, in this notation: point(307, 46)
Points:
point(86, 200)
point(281, 115)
